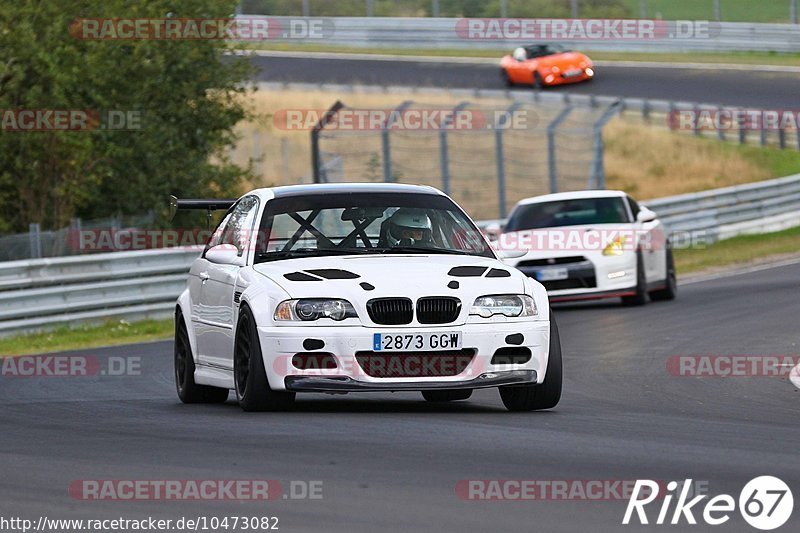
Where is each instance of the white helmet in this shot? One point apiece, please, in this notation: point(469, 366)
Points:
point(409, 227)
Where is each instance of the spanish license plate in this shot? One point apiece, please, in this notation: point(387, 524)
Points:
point(552, 274)
point(573, 73)
point(424, 342)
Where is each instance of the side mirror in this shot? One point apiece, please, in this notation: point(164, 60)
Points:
point(509, 254)
point(645, 215)
point(225, 254)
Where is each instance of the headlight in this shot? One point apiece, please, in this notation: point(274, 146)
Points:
point(589, 71)
point(615, 247)
point(309, 309)
point(511, 305)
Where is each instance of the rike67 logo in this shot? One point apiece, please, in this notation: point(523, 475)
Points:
point(765, 503)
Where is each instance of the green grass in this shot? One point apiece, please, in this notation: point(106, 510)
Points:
point(736, 58)
point(779, 162)
point(108, 334)
point(738, 250)
point(731, 10)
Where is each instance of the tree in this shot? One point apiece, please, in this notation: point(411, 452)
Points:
point(187, 95)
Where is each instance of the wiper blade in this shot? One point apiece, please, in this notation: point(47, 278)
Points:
point(419, 250)
point(305, 252)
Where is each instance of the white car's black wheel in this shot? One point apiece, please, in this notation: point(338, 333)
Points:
point(640, 298)
point(252, 387)
point(545, 395)
point(188, 390)
point(670, 291)
point(450, 395)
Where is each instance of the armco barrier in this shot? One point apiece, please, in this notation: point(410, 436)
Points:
point(42, 293)
point(448, 33)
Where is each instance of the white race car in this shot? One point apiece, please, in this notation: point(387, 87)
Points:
point(359, 287)
point(591, 244)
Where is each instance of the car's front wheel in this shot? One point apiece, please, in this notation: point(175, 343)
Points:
point(449, 395)
point(188, 390)
point(252, 387)
point(670, 290)
point(545, 395)
point(640, 296)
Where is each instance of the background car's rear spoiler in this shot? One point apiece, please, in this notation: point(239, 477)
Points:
point(208, 205)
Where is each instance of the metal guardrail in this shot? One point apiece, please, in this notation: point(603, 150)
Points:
point(723, 213)
point(449, 33)
point(44, 293)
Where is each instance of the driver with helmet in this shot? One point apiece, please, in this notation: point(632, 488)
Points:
point(409, 227)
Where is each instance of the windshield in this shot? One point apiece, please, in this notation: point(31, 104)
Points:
point(577, 212)
point(366, 223)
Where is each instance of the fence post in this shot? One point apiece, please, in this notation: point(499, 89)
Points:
point(315, 155)
point(499, 156)
point(285, 157)
point(435, 8)
point(35, 240)
point(793, 11)
point(763, 132)
point(717, 11)
point(598, 177)
point(306, 8)
point(370, 4)
point(385, 145)
point(742, 130)
point(444, 156)
point(551, 147)
point(642, 9)
point(720, 128)
point(257, 159)
point(574, 8)
point(503, 9)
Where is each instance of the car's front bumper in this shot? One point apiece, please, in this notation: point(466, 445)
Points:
point(280, 344)
point(596, 277)
point(347, 384)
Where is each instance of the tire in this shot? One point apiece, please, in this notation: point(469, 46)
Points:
point(506, 80)
point(249, 376)
point(538, 84)
point(670, 292)
point(640, 298)
point(188, 390)
point(446, 395)
point(545, 395)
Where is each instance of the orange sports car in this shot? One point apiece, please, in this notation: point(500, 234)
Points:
point(543, 65)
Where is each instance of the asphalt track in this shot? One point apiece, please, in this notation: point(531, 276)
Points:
point(746, 88)
point(392, 462)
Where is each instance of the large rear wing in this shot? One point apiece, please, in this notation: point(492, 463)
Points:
point(207, 205)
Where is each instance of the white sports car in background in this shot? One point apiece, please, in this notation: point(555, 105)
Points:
point(359, 287)
point(591, 244)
